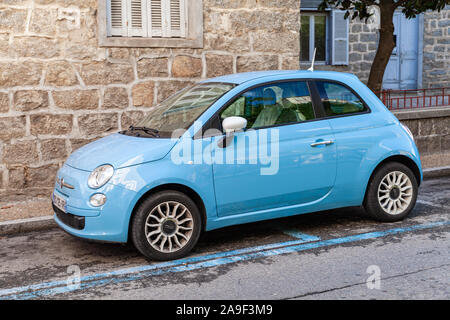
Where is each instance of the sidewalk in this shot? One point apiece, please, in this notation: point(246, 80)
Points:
point(26, 216)
point(32, 208)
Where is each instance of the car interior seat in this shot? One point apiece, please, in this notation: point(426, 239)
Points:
point(271, 110)
point(290, 111)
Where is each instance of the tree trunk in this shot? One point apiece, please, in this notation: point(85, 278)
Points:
point(385, 46)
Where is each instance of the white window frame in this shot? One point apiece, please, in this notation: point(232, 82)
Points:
point(311, 16)
point(193, 30)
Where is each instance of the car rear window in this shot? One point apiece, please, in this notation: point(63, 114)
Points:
point(338, 99)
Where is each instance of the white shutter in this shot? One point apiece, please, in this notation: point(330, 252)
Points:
point(147, 18)
point(176, 18)
point(155, 25)
point(137, 18)
point(117, 18)
point(339, 39)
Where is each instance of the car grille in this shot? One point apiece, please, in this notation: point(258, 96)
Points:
point(71, 220)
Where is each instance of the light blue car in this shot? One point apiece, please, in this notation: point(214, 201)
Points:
point(237, 149)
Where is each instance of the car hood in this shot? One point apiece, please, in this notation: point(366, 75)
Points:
point(120, 151)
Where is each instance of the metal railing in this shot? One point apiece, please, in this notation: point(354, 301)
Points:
point(416, 98)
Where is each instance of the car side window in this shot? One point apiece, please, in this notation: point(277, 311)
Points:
point(273, 104)
point(338, 100)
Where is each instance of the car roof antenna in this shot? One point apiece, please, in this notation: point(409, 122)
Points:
point(313, 59)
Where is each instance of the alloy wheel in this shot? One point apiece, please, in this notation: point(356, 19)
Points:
point(395, 192)
point(169, 227)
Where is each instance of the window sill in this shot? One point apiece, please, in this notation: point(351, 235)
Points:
point(136, 42)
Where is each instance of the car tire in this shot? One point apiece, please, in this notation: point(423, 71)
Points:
point(391, 193)
point(166, 226)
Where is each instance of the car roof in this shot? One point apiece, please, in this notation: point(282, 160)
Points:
point(239, 78)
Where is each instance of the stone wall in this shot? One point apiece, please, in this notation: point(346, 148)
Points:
point(431, 130)
point(436, 49)
point(59, 90)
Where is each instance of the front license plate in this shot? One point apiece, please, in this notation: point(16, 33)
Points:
point(59, 202)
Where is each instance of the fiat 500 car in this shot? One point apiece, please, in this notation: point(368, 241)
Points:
point(238, 149)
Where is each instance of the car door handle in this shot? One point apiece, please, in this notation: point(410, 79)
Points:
point(320, 143)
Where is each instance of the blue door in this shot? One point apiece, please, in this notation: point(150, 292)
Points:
point(285, 158)
point(402, 69)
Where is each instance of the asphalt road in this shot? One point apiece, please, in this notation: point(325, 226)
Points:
point(337, 254)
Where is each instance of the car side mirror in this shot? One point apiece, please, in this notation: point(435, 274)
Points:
point(230, 125)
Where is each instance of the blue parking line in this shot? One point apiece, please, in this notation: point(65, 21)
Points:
point(145, 268)
point(200, 262)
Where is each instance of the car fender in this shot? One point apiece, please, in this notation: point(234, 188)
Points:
point(146, 177)
point(375, 156)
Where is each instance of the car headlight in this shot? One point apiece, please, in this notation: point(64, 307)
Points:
point(100, 176)
point(97, 200)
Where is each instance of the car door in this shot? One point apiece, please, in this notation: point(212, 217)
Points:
point(356, 131)
point(285, 157)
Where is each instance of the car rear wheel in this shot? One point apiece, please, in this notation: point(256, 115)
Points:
point(166, 226)
point(391, 193)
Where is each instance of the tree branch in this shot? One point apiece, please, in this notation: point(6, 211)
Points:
point(370, 2)
point(400, 3)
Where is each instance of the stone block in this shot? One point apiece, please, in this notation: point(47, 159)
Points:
point(429, 145)
point(12, 127)
point(27, 100)
point(60, 74)
point(76, 99)
point(20, 152)
point(35, 47)
point(426, 127)
point(143, 94)
point(20, 74)
point(43, 21)
point(217, 65)
point(283, 42)
point(13, 20)
point(102, 73)
point(291, 63)
point(4, 102)
point(53, 149)
point(42, 176)
point(98, 124)
point(186, 67)
point(153, 67)
point(119, 53)
point(51, 124)
point(16, 177)
point(257, 63)
point(230, 43)
point(114, 97)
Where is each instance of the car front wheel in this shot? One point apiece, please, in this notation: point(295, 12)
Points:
point(392, 193)
point(166, 226)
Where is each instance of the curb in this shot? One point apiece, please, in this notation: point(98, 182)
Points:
point(436, 172)
point(27, 225)
point(47, 222)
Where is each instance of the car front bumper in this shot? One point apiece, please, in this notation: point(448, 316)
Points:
point(106, 223)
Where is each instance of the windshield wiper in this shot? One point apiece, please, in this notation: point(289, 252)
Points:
point(147, 130)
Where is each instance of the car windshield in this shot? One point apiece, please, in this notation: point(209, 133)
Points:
point(183, 108)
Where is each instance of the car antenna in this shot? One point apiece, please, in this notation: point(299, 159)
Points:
point(313, 59)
